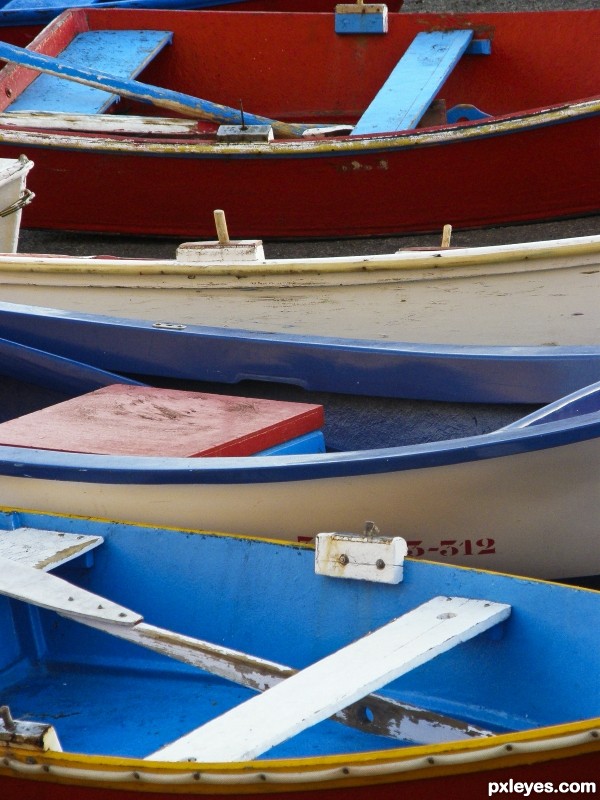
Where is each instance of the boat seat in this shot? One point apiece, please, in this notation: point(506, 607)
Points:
point(416, 80)
point(124, 420)
point(44, 549)
point(123, 54)
point(322, 689)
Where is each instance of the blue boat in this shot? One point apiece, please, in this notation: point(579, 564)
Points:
point(505, 487)
point(160, 347)
point(39, 12)
point(126, 648)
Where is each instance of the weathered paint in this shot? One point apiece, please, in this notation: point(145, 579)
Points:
point(544, 745)
point(553, 113)
point(547, 290)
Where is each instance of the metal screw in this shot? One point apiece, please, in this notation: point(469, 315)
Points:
point(343, 559)
point(380, 563)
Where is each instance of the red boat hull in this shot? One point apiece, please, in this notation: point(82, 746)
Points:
point(536, 158)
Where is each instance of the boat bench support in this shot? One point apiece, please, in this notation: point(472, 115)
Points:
point(346, 676)
point(361, 17)
point(36, 736)
point(378, 559)
point(416, 80)
point(124, 54)
point(463, 112)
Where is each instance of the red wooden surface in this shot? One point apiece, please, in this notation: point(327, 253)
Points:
point(131, 420)
point(297, 69)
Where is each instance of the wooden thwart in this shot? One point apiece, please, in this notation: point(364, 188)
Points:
point(123, 54)
point(414, 82)
point(143, 92)
point(317, 692)
point(385, 717)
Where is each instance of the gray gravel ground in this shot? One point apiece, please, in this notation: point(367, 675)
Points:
point(92, 244)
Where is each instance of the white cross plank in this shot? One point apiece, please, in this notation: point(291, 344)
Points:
point(329, 685)
point(390, 717)
point(44, 549)
point(22, 582)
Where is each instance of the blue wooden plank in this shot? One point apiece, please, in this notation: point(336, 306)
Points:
point(123, 53)
point(414, 82)
point(144, 92)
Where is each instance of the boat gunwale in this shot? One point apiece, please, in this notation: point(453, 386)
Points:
point(402, 260)
point(387, 143)
point(398, 764)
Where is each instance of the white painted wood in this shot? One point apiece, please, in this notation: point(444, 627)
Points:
point(44, 549)
point(329, 685)
point(389, 717)
point(35, 736)
point(546, 290)
point(377, 559)
point(226, 252)
point(99, 123)
point(13, 179)
point(29, 584)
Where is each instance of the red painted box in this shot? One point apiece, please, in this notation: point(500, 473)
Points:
point(145, 421)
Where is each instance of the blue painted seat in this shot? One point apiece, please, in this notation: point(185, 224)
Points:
point(416, 80)
point(123, 53)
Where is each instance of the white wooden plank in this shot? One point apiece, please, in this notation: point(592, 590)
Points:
point(44, 549)
point(342, 678)
point(389, 717)
point(100, 123)
point(31, 585)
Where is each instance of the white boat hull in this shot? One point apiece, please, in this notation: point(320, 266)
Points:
point(535, 513)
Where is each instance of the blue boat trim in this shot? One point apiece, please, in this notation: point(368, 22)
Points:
point(53, 371)
point(386, 369)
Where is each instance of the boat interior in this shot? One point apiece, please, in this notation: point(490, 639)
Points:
point(496, 64)
point(70, 665)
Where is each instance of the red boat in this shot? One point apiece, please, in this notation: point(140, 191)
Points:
point(507, 136)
